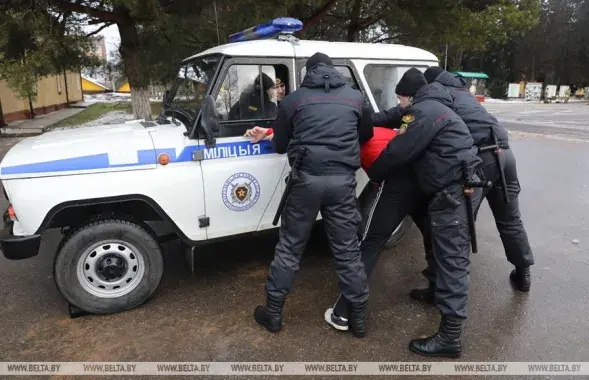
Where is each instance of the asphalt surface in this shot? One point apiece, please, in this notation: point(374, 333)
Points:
point(208, 316)
point(559, 120)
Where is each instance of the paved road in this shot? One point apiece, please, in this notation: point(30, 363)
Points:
point(562, 120)
point(208, 316)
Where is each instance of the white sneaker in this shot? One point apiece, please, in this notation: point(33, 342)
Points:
point(334, 321)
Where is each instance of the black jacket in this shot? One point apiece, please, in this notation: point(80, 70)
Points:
point(435, 143)
point(472, 112)
point(253, 105)
point(389, 118)
point(476, 117)
point(327, 117)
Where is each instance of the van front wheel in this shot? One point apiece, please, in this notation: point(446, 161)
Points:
point(108, 266)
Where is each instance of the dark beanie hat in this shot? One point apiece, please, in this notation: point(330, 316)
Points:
point(432, 73)
point(318, 58)
point(410, 83)
point(266, 81)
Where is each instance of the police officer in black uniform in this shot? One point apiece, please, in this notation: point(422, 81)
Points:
point(320, 126)
point(482, 126)
point(437, 144)
point(255, 102)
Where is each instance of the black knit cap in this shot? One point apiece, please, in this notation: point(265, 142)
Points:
point(410, 83)
point(432, 73)
point(318, 58)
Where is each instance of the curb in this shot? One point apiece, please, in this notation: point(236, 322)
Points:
point(16, 135)
point(27, 132)
point(10, 132)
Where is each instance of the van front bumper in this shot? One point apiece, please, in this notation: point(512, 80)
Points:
point(18, 247)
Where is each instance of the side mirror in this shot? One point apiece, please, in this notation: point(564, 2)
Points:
point(209, 120)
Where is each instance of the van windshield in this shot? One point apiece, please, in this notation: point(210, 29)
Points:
point(193, 81)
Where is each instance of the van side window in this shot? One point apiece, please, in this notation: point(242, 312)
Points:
point(382, 80)
point(345, 71)
point(249, 92)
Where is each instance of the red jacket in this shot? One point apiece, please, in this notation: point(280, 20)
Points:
point(370, 150)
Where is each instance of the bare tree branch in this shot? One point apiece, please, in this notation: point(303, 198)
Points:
point(368, 22)
point(106, 25)
point(387, 39)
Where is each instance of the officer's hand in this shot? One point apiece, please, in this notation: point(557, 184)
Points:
point(258, 133)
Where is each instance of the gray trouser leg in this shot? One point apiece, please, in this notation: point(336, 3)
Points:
point(342, 219)
point(451, 249)
point(296, 224)
point(507, 216)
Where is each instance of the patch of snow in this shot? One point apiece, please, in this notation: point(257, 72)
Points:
point(111, 97)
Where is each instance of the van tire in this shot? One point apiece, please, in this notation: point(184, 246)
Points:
point(101, 250)
point(366, 200)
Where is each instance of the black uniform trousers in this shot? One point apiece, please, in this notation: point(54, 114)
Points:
point(507, 215)
point(335, 197)
point(396, 198)
point(450, 237)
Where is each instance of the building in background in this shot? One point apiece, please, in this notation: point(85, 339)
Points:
point(99, 47)
point(122, 85)
point(102, 75)
point(52, 95)
point(90, 86)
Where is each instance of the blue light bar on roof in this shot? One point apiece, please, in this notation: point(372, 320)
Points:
point(285, 25)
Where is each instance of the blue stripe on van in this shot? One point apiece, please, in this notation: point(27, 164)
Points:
point(144, 157)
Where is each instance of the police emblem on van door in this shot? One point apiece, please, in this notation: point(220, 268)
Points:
point(241, 191)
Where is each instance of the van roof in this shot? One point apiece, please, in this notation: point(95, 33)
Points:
point(306, 48)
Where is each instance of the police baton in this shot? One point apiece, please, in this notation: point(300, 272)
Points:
point(469, 186)
point(289, 184)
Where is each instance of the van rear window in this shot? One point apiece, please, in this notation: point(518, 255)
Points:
point(382, 80)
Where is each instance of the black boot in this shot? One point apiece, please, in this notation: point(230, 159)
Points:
point(445, 343)
point(424, 295)
point(270, 315)
point(357, 319)
point(521, 278)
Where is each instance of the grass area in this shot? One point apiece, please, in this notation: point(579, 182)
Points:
point(97, 110)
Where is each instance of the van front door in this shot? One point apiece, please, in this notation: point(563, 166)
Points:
point(243, 181)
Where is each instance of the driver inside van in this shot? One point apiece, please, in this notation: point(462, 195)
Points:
point(254, 103)
point(280, 89)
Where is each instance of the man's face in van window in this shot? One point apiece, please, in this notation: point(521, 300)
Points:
point(280, 89)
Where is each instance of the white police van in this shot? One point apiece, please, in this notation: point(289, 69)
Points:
point(191, 168)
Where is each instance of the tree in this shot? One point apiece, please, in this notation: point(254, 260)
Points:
point(2, 122)
point(35, 43)
point(71, 48)
point(133, 18)
point(22, 53)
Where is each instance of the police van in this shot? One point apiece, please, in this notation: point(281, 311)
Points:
point(191, 168)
